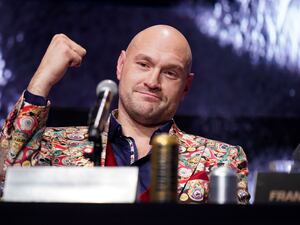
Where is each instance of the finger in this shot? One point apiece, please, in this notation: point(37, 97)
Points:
point(72, 44)
point(76, 59)
point(77, 48)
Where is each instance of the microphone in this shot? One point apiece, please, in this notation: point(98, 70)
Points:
point(295, 168)
point(98, 116)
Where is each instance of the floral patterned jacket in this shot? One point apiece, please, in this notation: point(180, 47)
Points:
point(25, 141)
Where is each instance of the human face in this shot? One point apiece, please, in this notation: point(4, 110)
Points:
point(153, 80)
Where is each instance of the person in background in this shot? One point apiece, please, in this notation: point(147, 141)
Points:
point(154, 75)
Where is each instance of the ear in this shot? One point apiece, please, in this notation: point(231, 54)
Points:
point(188, 84)
point(120, 64)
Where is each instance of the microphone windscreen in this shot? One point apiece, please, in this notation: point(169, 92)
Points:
point(107, 84)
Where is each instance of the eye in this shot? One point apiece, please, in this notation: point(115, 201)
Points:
point(143, 64)
point(171, 74)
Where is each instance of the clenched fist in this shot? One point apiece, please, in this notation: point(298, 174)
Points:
point(61, 54)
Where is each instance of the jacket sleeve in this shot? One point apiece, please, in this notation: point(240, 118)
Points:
point(21, 134)
point(240, 163)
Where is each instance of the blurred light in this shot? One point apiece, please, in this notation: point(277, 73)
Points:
point(292, 92)
point(3, 81)
point(2, 65)
point(10, 42)
point(266, 29)
point(5, 76)
point(20, 37)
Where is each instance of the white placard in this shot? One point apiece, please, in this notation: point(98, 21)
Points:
point(71, 184)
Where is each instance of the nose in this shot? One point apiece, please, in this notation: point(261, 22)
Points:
point(153, 80)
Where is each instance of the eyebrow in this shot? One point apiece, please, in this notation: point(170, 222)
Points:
point(143, 56)
point(148, 58)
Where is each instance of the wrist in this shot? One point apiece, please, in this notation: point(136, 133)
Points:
point(35, 99)
point(39, 88)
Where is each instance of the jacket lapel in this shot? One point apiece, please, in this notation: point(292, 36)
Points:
point(191, 149)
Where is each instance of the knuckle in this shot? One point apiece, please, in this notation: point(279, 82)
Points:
point(66, 51)
point(59, 37)
point(77, 61)
point(63, 47)
point(84, 51)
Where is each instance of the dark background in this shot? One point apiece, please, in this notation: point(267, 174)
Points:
point(231, 100)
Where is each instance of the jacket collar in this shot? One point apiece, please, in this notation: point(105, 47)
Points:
point(115, 128)
point(187, 144)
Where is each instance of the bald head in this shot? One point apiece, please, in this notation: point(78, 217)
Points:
point(154, 75)
point(166, 39)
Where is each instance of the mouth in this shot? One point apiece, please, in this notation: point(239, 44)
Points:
point(150, 95)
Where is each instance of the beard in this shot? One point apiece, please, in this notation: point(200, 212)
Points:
point(147, 112)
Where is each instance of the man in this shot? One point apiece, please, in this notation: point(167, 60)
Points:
point(154, 76)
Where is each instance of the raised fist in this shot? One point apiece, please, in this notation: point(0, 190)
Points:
point(61, 54)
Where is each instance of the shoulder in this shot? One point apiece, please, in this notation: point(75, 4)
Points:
point(187, 139)
point(208, 145)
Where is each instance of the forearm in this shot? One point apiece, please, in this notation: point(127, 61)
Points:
point(21, 134)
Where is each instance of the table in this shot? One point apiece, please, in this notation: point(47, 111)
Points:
point(147, 214)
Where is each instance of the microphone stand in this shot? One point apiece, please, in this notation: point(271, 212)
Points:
point(96, 126)
point(95, 137)
point(98, 117)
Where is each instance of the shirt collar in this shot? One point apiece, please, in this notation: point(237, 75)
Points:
point(115, 128)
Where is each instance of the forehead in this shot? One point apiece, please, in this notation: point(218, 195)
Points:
point(161, 50)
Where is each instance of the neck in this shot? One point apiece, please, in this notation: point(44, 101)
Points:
point(140, 133)
point(132, 128)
